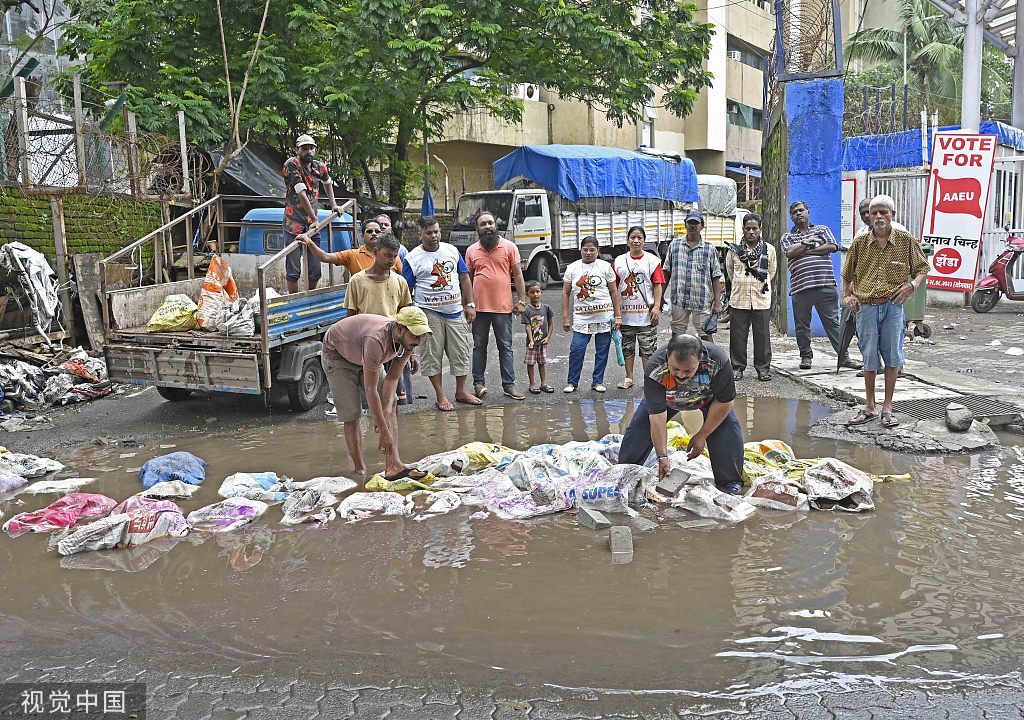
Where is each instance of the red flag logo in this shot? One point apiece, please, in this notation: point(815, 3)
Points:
point(958, 196)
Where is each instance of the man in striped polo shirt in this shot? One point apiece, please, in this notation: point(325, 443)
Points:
point(812, 282)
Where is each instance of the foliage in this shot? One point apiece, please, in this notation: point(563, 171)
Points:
point(370, 77)
point(934, 66)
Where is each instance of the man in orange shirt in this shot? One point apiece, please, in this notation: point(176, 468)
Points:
point(494, 264)
point(356, 259)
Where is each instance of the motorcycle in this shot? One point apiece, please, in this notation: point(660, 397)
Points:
point(1000, 280)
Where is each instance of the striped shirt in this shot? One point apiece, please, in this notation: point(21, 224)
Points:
point(810, 271)
point(691, 272)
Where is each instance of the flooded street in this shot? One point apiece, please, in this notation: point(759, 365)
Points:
point(925, 589)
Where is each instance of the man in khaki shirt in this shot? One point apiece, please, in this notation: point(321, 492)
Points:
point(882, 270)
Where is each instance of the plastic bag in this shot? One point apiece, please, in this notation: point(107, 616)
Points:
point(362, 505)
point(239, 318)
point(482, 455)
point(218, 292)
point(29, 466)
point(170, 490)
point(134, 522)
point(441, 502)
point(523, 506)
point(333, 485)
point(696, 472)
point(263, 486)
point(182, 466)
point(177, 313)
point(378, 483)
point(444, 464)
point(833, 485)
point(776, 492)
point(710, 502)
point(604, 490)
point(226, 515)
point(57, 486)
point(308, 505)
point(10, 481)
point(527, 468)
point(61, 513)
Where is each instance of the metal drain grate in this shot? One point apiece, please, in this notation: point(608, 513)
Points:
point(997, 412)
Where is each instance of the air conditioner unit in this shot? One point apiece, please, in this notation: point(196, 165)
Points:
point(527, 92)
point(732, 108)
point(733, 55)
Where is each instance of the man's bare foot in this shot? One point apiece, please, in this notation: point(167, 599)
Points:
point(468, 399)
point(444, 404)
point(360, 471)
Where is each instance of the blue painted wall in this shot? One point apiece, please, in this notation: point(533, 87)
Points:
point(814, 111)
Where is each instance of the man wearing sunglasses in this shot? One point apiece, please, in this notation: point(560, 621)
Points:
point(357, 259)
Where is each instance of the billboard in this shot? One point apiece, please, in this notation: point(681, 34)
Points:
point(954, 211)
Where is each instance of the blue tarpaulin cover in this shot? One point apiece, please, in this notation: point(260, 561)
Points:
point(903, 149)
point(579, 171)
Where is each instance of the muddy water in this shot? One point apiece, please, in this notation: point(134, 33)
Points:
point(929, 583)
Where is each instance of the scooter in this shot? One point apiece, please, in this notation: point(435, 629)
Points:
point(1000, 280)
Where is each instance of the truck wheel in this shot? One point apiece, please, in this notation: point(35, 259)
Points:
point(308, 391)
point(984, 300)
point(540, 270)
point(174, 394)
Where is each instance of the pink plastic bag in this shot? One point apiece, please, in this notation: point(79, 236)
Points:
point(61, 513)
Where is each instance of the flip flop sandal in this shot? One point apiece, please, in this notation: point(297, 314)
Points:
point(862, 417)
point(547, 388)
point(625, 384)
point(408, 473)
point(445, 409)
point(889, 420)
point(535, 390)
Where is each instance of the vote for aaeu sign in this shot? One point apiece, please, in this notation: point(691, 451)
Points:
point(954, 214)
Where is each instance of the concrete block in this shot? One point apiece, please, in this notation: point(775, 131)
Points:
point(620, 540)
point(701, 524)
point(672, 483)
point(593, 519)
point(641, 524)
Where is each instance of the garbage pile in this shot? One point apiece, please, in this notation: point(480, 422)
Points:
point(47, 379)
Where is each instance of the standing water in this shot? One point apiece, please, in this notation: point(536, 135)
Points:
point(927, 586)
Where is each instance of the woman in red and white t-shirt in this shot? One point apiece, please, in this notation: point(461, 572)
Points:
point(641, 283)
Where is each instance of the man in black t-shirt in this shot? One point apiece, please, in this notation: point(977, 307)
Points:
point(689, 374)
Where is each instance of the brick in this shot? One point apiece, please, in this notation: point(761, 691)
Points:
point(703, 523)
point(620, 540)
point(671, 483)
point(593, 519)
point(641, 524)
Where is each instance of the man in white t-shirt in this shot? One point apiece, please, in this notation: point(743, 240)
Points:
point(440, 284)
point(862, 209)
point(641, 283)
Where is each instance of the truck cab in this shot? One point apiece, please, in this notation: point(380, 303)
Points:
point(522, 217)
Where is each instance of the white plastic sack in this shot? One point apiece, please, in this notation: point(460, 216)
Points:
point(36, 278)
point(523, 506)
point(239, 318)
point(442, 502)
point(834, 485)
point(263, 486)
point(308, 505)
point(333, 485)
point(134, 522)
point(29, 466)
point(444, 464)
point(362, 505)
point(527, 468)
point(226, 515)
point(604, 490)
point(710, 502)
point(696, 472)
point(170, 490)
point(57, 486)
point(10, 481)
point(776, 492)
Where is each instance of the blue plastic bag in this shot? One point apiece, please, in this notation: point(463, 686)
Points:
point(174, 466)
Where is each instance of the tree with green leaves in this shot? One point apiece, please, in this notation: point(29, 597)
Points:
point(372, 77)
point(934, 59)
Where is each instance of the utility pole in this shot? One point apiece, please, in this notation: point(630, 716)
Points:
point(1017, 114)
point(970, 99)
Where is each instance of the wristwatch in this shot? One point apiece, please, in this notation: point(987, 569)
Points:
point(471, 305)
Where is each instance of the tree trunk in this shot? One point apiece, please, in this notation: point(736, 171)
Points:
point(398, 172)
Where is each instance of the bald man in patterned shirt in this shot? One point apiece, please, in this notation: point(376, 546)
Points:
point(882, 270)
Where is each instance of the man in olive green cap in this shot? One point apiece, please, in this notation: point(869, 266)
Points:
point(354, 349)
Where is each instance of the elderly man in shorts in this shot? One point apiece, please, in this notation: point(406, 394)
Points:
point(883, 268)
point(354, 350)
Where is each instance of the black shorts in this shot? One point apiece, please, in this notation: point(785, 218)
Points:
point(293, 262)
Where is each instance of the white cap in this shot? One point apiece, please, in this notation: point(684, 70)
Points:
point(305, 140)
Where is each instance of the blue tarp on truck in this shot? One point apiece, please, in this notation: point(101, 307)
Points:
point(579, 171)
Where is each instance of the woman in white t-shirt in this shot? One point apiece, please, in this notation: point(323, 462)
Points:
point(641, 283)
point(595, 309)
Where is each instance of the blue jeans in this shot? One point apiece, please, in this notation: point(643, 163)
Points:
point(578, 350)
point(880, 334)
point(502, 324)
point(725, 445)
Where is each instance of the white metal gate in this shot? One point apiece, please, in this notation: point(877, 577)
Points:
point(908, 188)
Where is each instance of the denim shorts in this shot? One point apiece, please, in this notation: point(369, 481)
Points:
point(880, 331)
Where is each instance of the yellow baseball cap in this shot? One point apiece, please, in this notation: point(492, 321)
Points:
point(413, 319)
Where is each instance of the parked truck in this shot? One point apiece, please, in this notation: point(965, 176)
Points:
point(552, 196)
point(285, 350)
